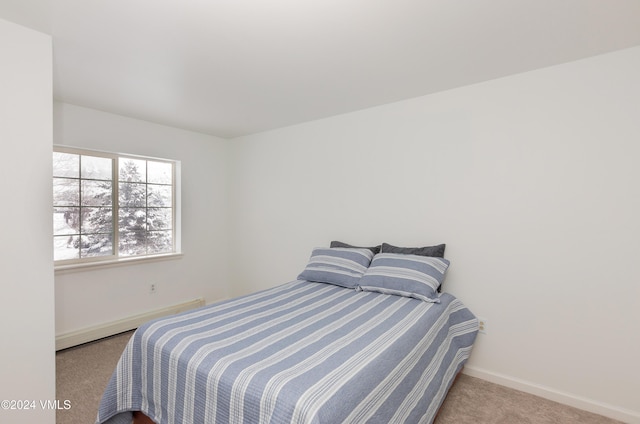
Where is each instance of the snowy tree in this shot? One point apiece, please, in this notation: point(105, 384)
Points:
point(82, 195)
point(132, 220)
point(145, 211)
point(84, 206)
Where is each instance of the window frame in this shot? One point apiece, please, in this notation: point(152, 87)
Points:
point(116, 257)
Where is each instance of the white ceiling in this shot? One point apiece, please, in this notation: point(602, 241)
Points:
point(235, 67)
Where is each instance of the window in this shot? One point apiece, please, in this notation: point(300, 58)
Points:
point(109, 206)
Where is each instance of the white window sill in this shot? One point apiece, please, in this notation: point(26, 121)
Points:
point(85, 266)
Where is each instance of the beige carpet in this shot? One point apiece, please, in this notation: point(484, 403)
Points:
point(472, 401)
point(84, 371)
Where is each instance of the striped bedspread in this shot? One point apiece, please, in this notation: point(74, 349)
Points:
point(298, 353)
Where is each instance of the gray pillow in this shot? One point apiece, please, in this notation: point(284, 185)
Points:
point(374, 249)
point(340, 266)
point(434, 251)
point(405, 275)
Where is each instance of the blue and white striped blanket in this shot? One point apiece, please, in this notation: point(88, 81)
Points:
point(297, 353)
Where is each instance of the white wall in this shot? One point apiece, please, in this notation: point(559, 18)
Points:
point(89, 297)
point(27, 361)
point(531, 180)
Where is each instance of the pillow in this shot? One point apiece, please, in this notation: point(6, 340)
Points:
point(405, 275)
point(436, 251)
point(374, 249)
point(340, 266)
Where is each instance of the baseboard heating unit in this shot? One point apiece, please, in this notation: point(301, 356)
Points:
point(89, 334)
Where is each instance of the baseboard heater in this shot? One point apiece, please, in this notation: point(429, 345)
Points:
point(89, 334)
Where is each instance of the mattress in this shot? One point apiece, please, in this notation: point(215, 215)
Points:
point(299, 353)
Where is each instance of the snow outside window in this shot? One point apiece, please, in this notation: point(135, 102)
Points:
point(108, 206)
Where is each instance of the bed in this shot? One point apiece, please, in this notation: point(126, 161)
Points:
point(303, 352)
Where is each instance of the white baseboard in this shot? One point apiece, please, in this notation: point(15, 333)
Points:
point(96, 332)
point(611, 411)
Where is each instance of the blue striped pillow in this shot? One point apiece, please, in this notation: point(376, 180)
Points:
point(340, 266)
point(405, 275)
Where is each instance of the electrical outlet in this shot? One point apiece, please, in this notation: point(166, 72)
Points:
point(153, 288)
point(482, 323)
